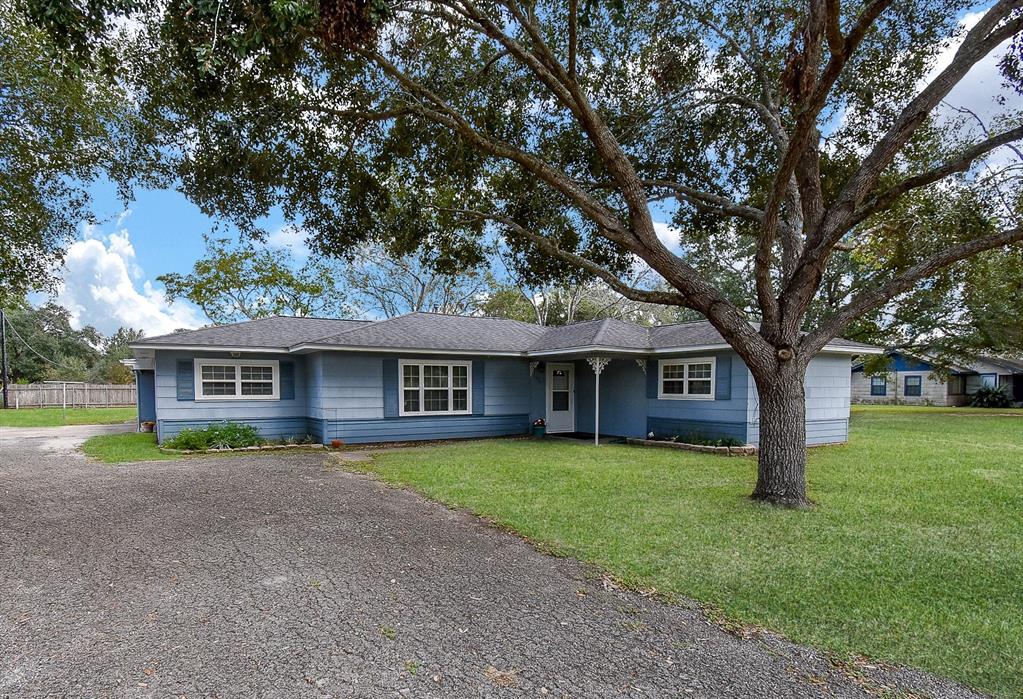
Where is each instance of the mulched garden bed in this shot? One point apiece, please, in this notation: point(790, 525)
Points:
point(723, 451)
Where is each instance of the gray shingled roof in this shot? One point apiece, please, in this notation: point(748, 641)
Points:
point(439, 332)
point(435, 331)
point(700, 333)
point(1013, 365)
point(275, 331)
point(608, 332)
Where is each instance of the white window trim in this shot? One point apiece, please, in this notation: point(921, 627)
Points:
point(200, 362)
point(402, 363)
point(662, 363)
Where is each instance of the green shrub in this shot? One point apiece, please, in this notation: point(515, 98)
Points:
point(220, 435)
point(990, 397)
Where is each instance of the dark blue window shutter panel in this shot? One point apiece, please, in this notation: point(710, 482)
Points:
point(390, 387)
point(478, 372)
point(186, 380)
point(723, 378)
point(653, 374)
point(287, 380)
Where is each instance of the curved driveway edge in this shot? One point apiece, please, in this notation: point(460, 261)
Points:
point(17, 440)
point(276, 576)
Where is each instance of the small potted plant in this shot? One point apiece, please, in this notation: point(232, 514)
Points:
point(539, 427)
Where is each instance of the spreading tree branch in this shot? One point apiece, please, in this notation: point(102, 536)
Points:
point(961, 163)
point(900, 283)
point(987, 34)
point(670, 298)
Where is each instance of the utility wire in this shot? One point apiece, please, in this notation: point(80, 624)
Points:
point(34, 351)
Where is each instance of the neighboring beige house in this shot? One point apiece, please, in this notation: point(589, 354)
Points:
point(916, 380)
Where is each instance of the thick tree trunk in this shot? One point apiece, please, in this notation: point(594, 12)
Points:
point(781, 472)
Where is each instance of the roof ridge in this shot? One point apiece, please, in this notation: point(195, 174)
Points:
point(604, 322)
point(334, 320)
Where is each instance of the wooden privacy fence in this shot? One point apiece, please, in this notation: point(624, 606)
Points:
point(80, 395)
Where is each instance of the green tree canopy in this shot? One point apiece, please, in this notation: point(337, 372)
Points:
point(239, 282)
point(62, 126)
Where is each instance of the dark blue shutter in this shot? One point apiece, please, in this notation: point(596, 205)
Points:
point(477, 387)
point(287, 380)
point(653, 375)
point(390, 368)
point(723, 378)
point(186, 380)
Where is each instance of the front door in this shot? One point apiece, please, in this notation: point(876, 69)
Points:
point(560, 398)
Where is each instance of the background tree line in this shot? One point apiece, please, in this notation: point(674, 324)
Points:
point(240, 281)
point(42, 345)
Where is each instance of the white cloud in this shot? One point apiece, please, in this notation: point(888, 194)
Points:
point(290, 238)
point(668, 235)
point(983, 83)
point(98, 288)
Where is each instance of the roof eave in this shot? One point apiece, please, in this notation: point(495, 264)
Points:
point(312, 347)
point(583, 349)
point(208, 348)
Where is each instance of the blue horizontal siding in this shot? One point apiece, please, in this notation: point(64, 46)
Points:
point(169, 406)
point(705, 429)
point(623, 402)
point(269, 427)
point(732, 410)
point(817, 432)
point(402, 429)
point(827, 431)
point(315, 429)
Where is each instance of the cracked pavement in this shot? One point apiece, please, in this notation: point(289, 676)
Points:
point(272, 575)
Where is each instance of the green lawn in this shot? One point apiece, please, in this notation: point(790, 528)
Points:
point(51, 417)
point(914, 554)
point(125, 447)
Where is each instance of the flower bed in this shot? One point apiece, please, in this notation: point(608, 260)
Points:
point(227, 436)
point(261, 447)
point(724, 451)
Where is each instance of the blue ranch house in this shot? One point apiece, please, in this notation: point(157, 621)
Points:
point(428, 376)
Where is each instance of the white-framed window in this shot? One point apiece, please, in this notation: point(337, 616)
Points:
point(430, 387)
point(686, 379)
point(237, 379)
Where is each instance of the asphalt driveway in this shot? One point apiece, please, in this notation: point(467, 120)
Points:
point(283, 576)
point(18, 440)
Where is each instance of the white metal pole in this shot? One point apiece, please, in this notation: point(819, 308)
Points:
point(596, 412)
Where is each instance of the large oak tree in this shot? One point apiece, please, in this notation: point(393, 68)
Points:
point(795, 133)
point(63, 125)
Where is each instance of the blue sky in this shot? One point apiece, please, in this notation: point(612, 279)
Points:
point(110, 272)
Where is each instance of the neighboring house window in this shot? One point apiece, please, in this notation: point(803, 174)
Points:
point(955, 385)
point(435, 388)
point(975, 381)
point(687, 379)
point(878, 385)
point(237, 379)
point(914, 386)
